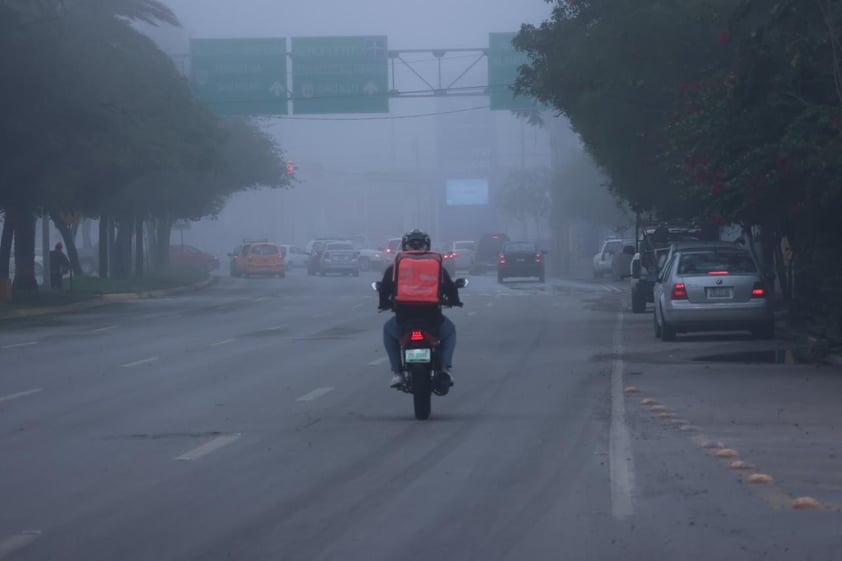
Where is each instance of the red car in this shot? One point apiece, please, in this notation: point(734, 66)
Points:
point(188, 257)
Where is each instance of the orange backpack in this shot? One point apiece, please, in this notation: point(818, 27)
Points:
point(417, 277)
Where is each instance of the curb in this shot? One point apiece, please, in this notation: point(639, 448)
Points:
point(107, 299)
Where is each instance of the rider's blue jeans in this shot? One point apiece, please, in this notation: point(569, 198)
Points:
point(392, 342)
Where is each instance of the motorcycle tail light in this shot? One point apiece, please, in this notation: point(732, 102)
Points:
point(416, 335)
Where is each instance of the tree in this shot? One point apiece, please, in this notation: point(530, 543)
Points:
point(525, 197)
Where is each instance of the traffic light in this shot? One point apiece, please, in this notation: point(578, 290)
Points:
point(290, 168)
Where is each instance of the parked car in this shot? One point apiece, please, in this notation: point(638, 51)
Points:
point(463, 254)
point(621, 262)
point(294, 257)
point(487, 252)
point(520, 259)
point(603, 261)
point(714, 288)
point(189, 257)
point(258, 258)
point(334, 257)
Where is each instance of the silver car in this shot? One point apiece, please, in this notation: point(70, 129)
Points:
point(716, 288)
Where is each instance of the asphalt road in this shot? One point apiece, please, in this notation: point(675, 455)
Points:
point(252, 421)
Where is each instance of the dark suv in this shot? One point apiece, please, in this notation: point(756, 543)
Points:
point(521, 259)
point(487, 251)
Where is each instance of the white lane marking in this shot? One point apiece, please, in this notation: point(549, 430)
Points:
point(18, 345)
point(315, 394)
point(104, 329)
point(220, 343)
point(620, 455)
point(262, 298)
point(18, 542)
point(277, 327)
point(472, 313)
point(139, 362)
point(208, 447)
point(490, 304)
point(378, 361)
point(18, 395)
point(358, 306)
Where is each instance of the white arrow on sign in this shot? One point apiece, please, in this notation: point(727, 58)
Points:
point(370, 88)
point(277, 88)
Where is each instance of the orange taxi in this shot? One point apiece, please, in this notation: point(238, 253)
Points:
point(258, 258)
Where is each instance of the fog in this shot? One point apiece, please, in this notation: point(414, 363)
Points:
point(377, 175)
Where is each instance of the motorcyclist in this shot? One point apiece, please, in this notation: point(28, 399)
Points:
point(417, 240)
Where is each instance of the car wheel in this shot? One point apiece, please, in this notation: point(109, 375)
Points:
point(657, 325)
point(596, 274)
point(365, 263)
point(282, 275)
point(764, 331)
point(542, 278)
point(667, 331)
point(638, 301)
point(356, 273)
point(500, 279)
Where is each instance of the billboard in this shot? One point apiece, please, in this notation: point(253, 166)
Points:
point(467, 192)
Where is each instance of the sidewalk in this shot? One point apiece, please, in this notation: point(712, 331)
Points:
point(103, 300)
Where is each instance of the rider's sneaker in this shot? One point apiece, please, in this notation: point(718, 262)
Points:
point(448, 377)
point(397, 380)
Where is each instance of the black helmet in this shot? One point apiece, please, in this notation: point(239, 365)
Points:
point(416, 240)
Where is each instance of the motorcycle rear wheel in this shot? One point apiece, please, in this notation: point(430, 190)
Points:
point(422, 390)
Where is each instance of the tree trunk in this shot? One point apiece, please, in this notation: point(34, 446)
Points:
point(103, 246)
point(122, 251)
point(24, 224)
point(138, 240)
point(6, 246)
point(164, 231)
point(69, 243)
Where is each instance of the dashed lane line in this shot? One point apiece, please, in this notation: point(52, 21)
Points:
point(141, 362)
point(12, 545)
point(220, 343)
point(103, 329)
point(19, 345)
point(208, 447)
point(315, 394)
point(10, 397)
point(379, 361)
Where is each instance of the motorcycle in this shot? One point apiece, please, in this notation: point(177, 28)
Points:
point(421, 362)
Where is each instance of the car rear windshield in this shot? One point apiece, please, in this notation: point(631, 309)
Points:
point(464, 245)
point(340, 246)
point(519, 247)
point(613, 247)
point(711, 262)
point(264, 250)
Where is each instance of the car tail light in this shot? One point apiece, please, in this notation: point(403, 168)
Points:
point(718, 273)
point(759, 291)
point(416, 336)
point(679, 291)
point(538, 257)
point(502, 259)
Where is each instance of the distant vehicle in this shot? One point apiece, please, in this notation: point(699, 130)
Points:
point(189, 257)
point(258, 258)
point(371, 259)
point(487, 252)
point(712, 288)
point(295, 257)
point(463, 254)
point(448, 257)
point(521, 259)
point(334, 257)
point(391, 248)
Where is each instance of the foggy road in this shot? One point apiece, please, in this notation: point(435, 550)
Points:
point(253, 421)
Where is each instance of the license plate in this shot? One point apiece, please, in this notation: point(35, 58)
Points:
point(417, 355)
point(719, 292)
point(521, 260)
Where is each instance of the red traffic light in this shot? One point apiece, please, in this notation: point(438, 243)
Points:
point(290, 168)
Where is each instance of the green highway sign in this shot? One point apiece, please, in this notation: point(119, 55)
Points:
point(503, 63)
point(340, 75)
point(240, 76)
